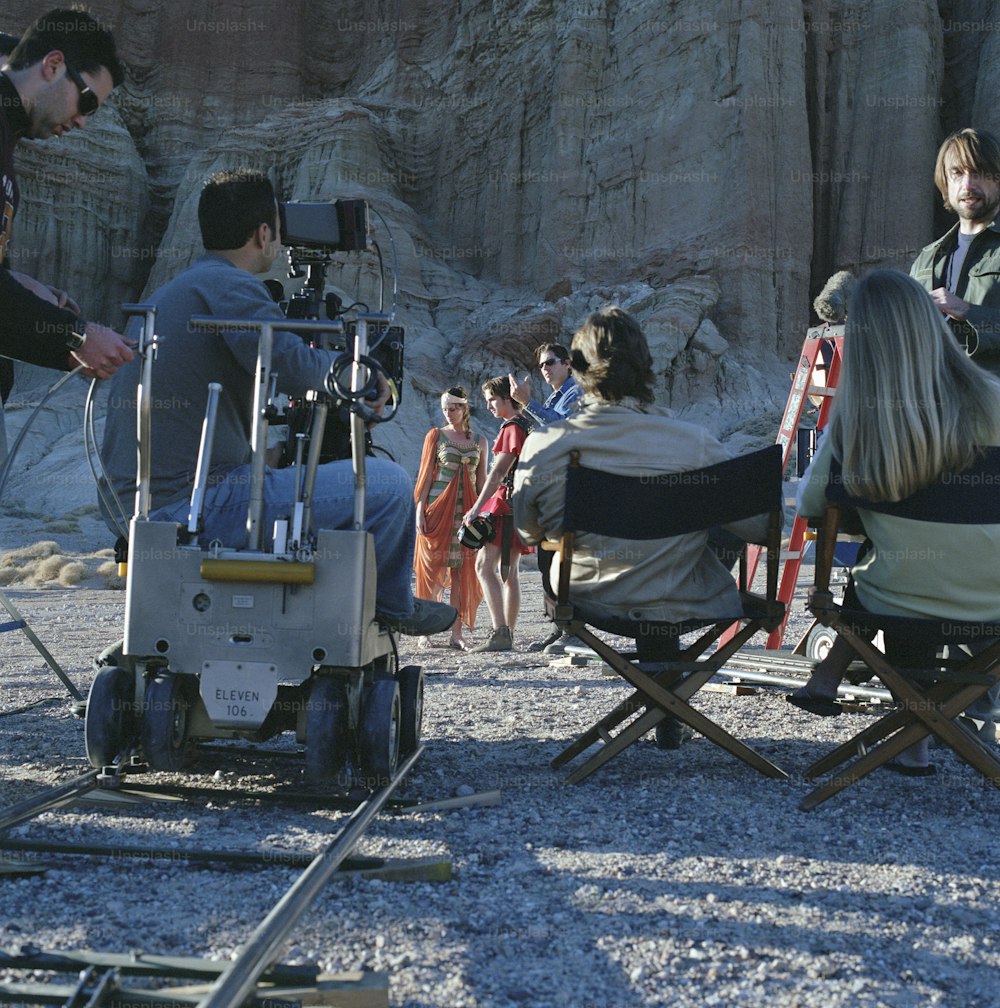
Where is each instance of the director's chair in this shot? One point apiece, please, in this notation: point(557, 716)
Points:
point(660, 507)
point(930, 697)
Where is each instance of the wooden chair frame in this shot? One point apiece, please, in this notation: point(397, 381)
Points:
point(929, 700)
point(665, 688)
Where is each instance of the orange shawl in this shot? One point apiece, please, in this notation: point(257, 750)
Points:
point(431, 552)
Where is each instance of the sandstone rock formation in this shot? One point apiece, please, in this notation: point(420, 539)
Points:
point(707, 165)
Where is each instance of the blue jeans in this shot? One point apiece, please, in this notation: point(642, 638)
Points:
point(389, 516)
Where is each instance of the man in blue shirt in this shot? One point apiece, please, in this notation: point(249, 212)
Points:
point(553, 362)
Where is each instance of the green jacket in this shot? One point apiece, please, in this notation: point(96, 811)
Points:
point(979, 284)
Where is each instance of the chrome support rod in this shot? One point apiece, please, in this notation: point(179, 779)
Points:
point(308, 487)
point(204, 457)
point(144, 408)
point(258, 438)
point(359, 350)
point(262, 392)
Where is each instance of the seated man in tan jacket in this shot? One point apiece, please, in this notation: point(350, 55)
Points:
point(618, 429)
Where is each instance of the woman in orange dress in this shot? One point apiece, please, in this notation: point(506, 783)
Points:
point(452, 472)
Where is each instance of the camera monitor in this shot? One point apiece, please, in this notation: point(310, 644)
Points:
point(341, 226)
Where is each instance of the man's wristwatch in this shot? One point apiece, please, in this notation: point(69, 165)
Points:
point(78, 336)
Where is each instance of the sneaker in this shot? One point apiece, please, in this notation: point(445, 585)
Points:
point(672, 734)
point(426, 619)
point(543, 644)
point(559, 645)
point(500, 640)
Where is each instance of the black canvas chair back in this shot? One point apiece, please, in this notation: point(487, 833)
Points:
point(670, 504)
point(932, 691)
point(660, 507)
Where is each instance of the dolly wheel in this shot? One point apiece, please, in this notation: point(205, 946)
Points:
point(378, 735)
point(326, 731)
point(109, 723)
point(411, 708)
point(819, 640)
point(165, 709)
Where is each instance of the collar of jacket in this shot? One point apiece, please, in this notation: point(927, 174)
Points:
point(949, 239)
point(628, 404)
point(12, 108)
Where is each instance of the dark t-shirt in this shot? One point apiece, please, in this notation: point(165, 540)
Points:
point(31, 329)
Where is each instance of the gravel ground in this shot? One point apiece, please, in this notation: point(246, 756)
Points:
point(680, 878)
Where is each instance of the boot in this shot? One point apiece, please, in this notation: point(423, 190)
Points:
point(500, 640)
point(543, 644)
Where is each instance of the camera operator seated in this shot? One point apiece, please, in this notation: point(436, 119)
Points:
point(617, 429)
point(238, 217)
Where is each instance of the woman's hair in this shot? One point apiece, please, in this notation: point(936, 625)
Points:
point(611, 359)
point(910, 406)
point(458, 391)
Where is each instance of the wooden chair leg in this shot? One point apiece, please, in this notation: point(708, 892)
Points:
point(673, 702)
point(939, 720)
point(613, 746)
point(869, 737)
point(663, 693)
point(916, 727)
point(627, 708)
point(601, 730)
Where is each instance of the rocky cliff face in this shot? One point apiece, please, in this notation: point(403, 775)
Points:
point(707, 165)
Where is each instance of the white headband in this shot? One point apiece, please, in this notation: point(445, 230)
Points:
point(447, 399)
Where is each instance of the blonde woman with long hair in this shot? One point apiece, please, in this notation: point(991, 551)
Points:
point(915, 430)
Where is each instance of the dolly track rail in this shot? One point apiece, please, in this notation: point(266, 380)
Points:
point(237, 984)
point(45, 800)
point(261, 951)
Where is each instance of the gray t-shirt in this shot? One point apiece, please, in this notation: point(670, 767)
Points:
point(186, 362)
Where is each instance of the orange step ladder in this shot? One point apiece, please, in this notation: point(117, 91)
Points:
point(821, 358)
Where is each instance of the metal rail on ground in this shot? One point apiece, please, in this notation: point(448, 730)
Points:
point(237, 983)
point(50, 798)
point(261, 951)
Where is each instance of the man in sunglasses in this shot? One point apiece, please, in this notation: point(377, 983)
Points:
point(553, 362)
point(58, 75)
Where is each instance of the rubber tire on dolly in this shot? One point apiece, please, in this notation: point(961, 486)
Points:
point(164, 733)
point(819, 640)
point(379, 733)
point(326, 731)
point(109, 723)
point(411, 708)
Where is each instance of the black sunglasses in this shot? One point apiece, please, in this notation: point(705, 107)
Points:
point(87, 102)
point(550, 362)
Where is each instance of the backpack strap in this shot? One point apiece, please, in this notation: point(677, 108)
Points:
point(525, 425)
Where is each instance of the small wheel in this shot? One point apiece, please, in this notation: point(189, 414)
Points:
point(109, 723)
point(326, 731)
point(819, 640)
point(165, 709)
point(378, 734)
point(411, 708)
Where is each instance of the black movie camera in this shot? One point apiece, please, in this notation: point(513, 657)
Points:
point(313, 233)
